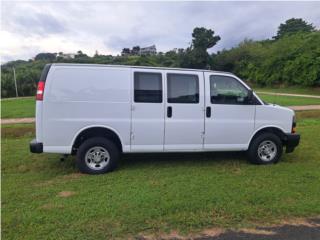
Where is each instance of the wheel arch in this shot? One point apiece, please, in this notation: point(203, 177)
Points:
point(96, 131)
point(272, 129)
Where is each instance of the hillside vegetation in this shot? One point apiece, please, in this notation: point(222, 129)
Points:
point(292, 57)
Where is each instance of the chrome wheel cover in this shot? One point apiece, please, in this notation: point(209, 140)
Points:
point(267, 151)
point(97, 158)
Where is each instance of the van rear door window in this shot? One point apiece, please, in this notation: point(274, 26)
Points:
point(147, 87)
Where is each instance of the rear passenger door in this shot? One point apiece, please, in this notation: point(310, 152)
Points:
point(184, 115)
point(147, 111)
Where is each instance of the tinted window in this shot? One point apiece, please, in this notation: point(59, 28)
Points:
point(147, 87)
point(227, 90)
point(183, 88)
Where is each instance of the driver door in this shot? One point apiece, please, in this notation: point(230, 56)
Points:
point(229, 120)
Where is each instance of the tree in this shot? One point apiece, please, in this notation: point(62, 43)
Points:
point(196, 56)
point(125, 51)
point(204, 38)
point(293, 25)
point(45, 56)
point(80, 54)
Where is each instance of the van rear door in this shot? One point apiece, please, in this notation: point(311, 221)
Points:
point(39, 102)
point(147, 119)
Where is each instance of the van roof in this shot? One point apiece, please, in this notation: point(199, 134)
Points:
point(146, 67)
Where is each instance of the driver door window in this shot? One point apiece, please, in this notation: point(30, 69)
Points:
point(227, 90)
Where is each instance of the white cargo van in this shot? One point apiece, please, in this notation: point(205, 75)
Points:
point(100, 111)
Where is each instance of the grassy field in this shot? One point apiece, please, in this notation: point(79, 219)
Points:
point(43, 198)
point(25, 107)
point(21, 107)
point(293, 90)
point(289, 100)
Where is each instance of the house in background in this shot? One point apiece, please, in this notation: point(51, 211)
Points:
point(136, 50)
point(148, 50)
point(67, 55)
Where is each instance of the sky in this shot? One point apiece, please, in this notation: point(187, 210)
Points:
point(31, 27)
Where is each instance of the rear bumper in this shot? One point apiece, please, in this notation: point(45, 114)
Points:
point(36, 147)
point(291, 141)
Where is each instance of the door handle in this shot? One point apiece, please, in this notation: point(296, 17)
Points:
point(208, 112)
point(169, 112)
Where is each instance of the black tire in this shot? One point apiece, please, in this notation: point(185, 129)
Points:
point(103, 143)
point(266, 137)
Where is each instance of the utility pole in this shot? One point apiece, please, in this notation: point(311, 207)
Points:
point(15, 81)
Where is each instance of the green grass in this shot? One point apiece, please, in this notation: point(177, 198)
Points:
point(154, 193)
point(289, 101)
point(18, 108)
point(293, 90)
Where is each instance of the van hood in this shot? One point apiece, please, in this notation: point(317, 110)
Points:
point(281, 108)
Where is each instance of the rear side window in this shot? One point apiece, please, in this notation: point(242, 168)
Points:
point(147, 87)
point(183, 88)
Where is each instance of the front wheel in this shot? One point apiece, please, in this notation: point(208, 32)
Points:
point(265, 149)
point(97, 155)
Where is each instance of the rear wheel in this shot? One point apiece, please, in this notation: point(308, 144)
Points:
point(97, 155)
point(266, 148)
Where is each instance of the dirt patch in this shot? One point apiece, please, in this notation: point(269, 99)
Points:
point(164, 236)
point(257, 231)
point(66, 194)
point(213, 232)
point(17, 132)
point(175, 235)
point(302, 108)
point(301, 222)
point(291, 228)
point(308, 114)
point(17, 120)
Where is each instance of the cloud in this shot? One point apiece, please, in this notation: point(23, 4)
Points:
point(28, 28)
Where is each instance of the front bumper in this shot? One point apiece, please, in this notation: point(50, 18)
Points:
point(291, 141)
point(36, 147)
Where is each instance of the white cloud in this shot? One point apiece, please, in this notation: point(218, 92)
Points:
point(28, 28)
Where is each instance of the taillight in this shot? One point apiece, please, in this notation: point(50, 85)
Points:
point(294, 124)
point(40, 91)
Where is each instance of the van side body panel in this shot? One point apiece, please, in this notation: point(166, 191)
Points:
point(79, 97)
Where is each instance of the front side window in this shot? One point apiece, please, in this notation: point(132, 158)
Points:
point(147, 87)
point(227, 90)
point(183, 88)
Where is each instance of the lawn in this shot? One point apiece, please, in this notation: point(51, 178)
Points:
point(21, 107)
point(43, 198)
point(292, 90)
point(289, 100)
